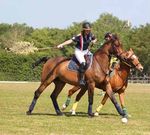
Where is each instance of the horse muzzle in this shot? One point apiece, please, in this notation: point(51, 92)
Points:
point(141, 69)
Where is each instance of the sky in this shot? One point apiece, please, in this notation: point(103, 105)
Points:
point(62, 13)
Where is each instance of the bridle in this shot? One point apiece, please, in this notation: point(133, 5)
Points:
point(132, 57)
point(122, 55)
point(118, 55)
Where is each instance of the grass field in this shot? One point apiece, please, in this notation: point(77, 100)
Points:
point(15, 99)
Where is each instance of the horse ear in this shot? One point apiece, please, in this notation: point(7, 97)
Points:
point(131, 50)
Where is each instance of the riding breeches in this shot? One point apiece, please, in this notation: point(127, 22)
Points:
point(80, 55)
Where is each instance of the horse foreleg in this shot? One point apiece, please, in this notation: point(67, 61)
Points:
point(113, 99)
point(73, 90)
point(70, 93)
point(78, 97)
point(101, 104)
point(59, 85)
point(91, 87)
point(121, 98)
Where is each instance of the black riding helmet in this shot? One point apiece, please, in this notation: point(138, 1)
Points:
point(108, 34)
point(86, 26)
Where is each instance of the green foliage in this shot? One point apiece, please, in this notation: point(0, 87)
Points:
point(109, 23)
point(9, 34)
point(14, 67)
point(46, 37)
point(4, 28)
point(140, 42)
point(18, 67)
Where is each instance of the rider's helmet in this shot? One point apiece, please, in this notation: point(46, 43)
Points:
point(86, 26)
point(108, 36)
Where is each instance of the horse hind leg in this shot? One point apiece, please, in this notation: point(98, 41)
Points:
point(78, 97)
point(37, 94)
point(98, 109)
point(33, 103)
point(59, 85)
point(70, 93)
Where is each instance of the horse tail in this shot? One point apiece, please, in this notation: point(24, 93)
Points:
point(39, 61)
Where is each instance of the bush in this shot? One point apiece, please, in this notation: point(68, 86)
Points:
point(18, 67)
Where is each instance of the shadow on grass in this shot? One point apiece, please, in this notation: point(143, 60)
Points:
point(48, 114)
point(68, 114)
point(78, 114)
point(107, 114)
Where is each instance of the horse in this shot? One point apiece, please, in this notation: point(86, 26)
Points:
point(118, 81)
point(94, 76)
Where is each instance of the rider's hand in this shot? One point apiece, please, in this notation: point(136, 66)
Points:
point(60, 46)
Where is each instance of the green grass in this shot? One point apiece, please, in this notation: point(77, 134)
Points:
point(15, 99)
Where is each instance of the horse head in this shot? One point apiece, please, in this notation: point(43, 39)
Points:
point(132, 60)
point(116, 47)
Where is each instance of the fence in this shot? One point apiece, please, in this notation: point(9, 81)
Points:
point(139, 79)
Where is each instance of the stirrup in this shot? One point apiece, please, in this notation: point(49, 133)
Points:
point(82, 82)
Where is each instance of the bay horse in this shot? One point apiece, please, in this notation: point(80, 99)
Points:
point(118, 81)
point(94, 76)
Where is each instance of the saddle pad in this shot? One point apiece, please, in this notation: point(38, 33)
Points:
point(73, 66)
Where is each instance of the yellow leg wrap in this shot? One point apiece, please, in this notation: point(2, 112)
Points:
point(99, 108)
point(75, 106)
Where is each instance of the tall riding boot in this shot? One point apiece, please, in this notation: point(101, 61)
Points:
point(82, 69)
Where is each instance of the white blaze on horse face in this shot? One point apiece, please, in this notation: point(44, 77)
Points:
point(137, 63)
point(134, 57)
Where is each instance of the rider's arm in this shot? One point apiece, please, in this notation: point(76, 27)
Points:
point(65, 43)
point(74, 39)
point(94, 41)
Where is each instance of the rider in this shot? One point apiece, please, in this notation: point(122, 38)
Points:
point(82, 41)
point(107, 37)
point(114, 60)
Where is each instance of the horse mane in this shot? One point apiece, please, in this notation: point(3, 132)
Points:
point(115, 37)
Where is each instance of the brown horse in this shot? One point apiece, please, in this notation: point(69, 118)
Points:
point(118, 81)
point(94, 76)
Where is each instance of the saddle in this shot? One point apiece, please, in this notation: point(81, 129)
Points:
point(74, 63)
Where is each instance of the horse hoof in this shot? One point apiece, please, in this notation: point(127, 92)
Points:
point(28, 112)
point(96, 114)
point(73, 112)
point(124, 120)
point(64, 107)
point(91, 115)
